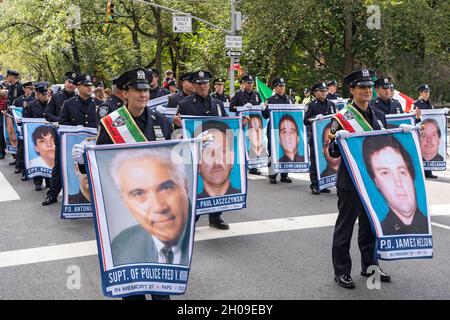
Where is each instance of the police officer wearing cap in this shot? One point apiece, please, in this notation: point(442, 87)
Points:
point(201, 103)
point(114, 102)
point(317, 108)
point(247, 95)
point(383, 102)
point(308, 97)
point(186, 90)
point(155, 90)
point(332, 88)
point(77, 111)
point(54, 106)
point(349, 204)
point(280, 97)
point(36, 110)
point(424, 103)
point(15, 90)
point(155, 126)
point(23, 102)
point(243, 97)
point(219, 87)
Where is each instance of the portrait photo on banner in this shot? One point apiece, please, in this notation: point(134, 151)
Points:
point(255, 133)
point(222, 183)
point(387, 169)
point(327, 166)
point(10, 134)
point(289, 147)
point(76, 197)
point(144, 217)
point(433, 140)
point(39, 147)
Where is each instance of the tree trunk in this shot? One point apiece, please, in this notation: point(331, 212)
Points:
point(76, 56)
point(348, 58)
point(159, 40)
point(50, 69)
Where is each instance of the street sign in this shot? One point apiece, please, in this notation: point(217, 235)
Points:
point(234, 53)
point(233, 42)
point(181, 24)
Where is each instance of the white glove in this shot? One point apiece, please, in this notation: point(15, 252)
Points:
point(445, 110)
point(78, 151)
point(406, 127)
point(160, 109)
point(248, 105)
point(319, 117)
point(342, 134)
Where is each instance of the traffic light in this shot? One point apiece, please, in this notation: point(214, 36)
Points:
point(109, 11)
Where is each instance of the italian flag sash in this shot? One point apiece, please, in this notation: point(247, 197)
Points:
point(351, 120)
point(122, 128)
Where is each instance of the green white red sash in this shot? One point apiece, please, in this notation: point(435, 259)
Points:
point(122, 128)
point(351, 120)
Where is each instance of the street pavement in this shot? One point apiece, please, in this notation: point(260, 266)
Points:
point(279, 247)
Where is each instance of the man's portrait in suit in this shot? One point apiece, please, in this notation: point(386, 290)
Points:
point(391, 168)
point(217, 160)
point(154, 188)
point(289, 139)
point(430, 140)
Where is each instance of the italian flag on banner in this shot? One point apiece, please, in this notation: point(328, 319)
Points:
point(121, 127)
point(264, 91)
point(351, 120)
point(404, 100)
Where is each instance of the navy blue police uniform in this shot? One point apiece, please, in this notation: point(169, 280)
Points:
point(180, 95)
point(196, 105)
point(315, 108)
point(275, 99)
point(36, 109)
point(349, 203)
point(54, 106)
point(75, 112)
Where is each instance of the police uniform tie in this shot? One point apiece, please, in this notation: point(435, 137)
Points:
point(168, 255)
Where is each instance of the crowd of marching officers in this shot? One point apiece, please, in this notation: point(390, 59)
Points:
point(77, 104)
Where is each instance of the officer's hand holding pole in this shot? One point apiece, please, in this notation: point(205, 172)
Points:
point(342, 134)
point(418, 113)
point(177, 120)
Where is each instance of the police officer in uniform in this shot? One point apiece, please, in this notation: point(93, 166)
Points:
point(308, 97)
point(219, 86)
point(201, 103)
point(36, 109)
point(79, 110)
point(23, 102)
point(317, 108)
point(186, 90)
point(280, 97)
point(424, 103)
point(15, 90)
point(349, 204)
point(155, 90)
point(243, 97)
point(383, 102)
point(54, 106)
point(332, 87)
point(114, 102)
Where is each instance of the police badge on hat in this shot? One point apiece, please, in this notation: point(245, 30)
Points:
point(140, 75)
point(201, 74)
point(365, 73)
point(88, 78)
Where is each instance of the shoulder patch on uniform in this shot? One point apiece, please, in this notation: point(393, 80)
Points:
point(103, 111)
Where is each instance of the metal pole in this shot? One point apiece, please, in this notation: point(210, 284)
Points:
point(233, 33)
